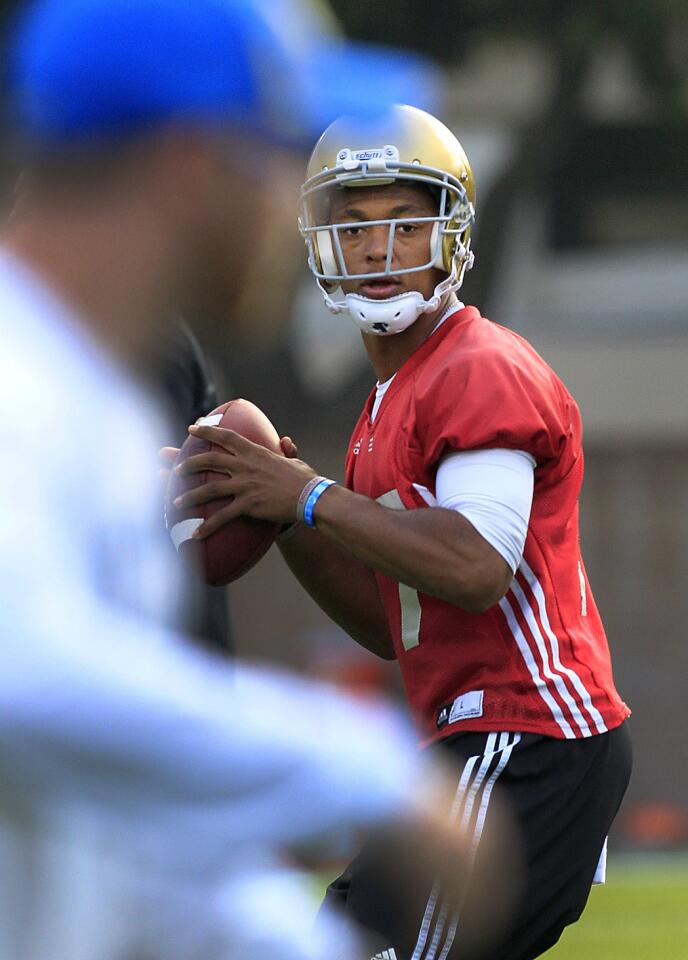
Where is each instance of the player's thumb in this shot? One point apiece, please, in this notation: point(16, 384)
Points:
point(289, 448)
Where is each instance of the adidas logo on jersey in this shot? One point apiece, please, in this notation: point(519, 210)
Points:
point(385, 955)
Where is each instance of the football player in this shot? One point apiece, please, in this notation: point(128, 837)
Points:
point(453, 544)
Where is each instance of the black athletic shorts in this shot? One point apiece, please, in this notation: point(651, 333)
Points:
point(563, 796)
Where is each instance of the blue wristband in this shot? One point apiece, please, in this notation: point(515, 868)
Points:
point(313, 498)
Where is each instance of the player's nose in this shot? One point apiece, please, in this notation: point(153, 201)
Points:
point(377, 242)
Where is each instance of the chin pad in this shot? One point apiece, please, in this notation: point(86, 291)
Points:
point(323, 246)
point(385, 317)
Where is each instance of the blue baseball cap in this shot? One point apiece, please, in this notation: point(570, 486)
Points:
point(98, 69)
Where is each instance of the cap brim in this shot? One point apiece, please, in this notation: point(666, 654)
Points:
point(365, 80)
point(362, 80)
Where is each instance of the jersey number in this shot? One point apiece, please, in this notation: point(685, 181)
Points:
point(409, 601)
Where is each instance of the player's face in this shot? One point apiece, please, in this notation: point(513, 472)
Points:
point(365, 248)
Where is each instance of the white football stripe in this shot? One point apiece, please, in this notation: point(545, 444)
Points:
point(539, 595)
point(211, 420)
point(527, 655)
point(184, 530)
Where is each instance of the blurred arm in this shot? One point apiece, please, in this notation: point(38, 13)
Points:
point(101, 707)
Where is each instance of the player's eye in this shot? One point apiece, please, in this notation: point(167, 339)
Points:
point(407, 228)
point(353, 231)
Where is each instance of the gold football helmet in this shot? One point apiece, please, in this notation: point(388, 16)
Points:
point(405, 144)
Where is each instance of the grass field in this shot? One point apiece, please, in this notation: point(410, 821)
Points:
point(640, 914)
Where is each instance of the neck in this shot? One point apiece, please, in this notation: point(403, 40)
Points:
point(110, 268)
point(388, 354)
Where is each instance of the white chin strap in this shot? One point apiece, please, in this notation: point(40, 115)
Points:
point(386, 317)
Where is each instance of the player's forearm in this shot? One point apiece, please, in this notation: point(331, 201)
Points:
point(342, 586)
point(435, 551)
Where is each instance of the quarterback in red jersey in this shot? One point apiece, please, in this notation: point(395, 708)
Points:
point(537, 660)
point(453, 545)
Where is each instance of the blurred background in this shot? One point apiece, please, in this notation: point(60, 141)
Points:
point(575, 117)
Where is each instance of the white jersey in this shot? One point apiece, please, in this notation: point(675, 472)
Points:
point(137, 772)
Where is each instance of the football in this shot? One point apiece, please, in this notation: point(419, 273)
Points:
point(233, 549)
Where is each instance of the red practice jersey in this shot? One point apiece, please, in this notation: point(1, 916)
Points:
point(538, 661)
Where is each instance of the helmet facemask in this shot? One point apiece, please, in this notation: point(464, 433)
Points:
point(449, 247)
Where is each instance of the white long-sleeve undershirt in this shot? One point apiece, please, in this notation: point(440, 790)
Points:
point(493, 490)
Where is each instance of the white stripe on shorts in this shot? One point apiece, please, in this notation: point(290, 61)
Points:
point(469, 793)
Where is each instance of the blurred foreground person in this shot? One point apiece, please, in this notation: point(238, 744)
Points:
point(147, 793)
point(453, 547)
point(181, 376)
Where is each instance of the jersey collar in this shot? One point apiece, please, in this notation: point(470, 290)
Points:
point(457, 314)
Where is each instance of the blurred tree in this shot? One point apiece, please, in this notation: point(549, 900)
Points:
point(654, 33)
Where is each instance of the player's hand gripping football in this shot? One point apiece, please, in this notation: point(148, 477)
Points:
point(263, 484)
point(168, 455)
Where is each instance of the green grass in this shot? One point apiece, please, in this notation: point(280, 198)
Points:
point(640, 914)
